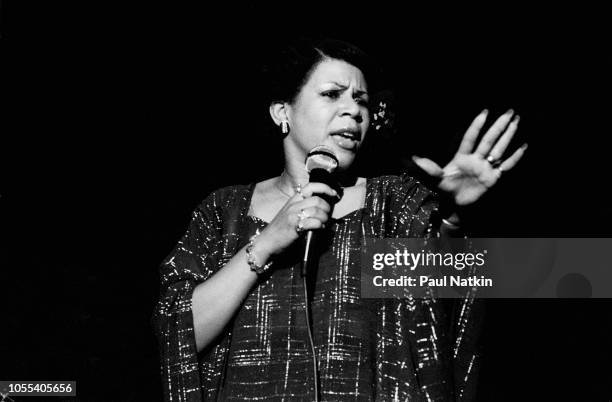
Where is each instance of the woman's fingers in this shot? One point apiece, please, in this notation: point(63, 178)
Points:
point(469, 138)
point(315, 213)
point(313, 202)
point(500, 146)
point(311, 224)
point(309, 218)
point(493, 133)
point(429, 166)
point(513, 160)
point(318, 188)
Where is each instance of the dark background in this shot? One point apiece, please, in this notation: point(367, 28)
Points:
point(118, 119)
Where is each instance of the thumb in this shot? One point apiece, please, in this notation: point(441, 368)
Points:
point(429, 166)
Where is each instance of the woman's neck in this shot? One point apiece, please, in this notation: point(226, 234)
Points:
point(290, 178)
point(288, 183)
point(295, 174)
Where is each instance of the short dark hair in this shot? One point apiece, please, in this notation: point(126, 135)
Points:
point(290, 69)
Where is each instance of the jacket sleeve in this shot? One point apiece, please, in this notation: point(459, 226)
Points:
point(194, 259)
point(463, 316)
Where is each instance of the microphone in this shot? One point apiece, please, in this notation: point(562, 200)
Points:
point(321, 162)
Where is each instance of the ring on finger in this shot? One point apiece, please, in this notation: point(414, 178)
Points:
point(300, 225)
point(298, 190)
point(499, 170)
point(302, 215)
point(493, 161)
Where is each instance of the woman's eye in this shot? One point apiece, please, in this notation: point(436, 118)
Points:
point(334, 94)
point(331, 94)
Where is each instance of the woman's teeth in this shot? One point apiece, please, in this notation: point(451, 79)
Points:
point(350, 136)
point(345, 141)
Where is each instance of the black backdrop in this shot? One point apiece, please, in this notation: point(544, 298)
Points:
point(118, 119)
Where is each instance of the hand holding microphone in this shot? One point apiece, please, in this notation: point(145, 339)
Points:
point(321, 163)
point(307, 210)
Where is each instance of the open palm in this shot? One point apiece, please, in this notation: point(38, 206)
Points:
point(472, 172)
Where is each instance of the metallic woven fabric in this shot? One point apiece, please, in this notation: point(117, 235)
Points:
point(368, 349)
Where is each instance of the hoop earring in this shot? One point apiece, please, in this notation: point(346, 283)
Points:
point(284, 127)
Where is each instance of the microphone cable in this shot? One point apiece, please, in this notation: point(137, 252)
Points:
point(320, 164)
point(308, 312)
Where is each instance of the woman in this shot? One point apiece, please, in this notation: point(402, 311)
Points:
point(231, 320)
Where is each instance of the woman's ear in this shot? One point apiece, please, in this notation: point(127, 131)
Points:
point(278, 112)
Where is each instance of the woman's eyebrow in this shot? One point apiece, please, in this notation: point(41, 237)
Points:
point(345, 87)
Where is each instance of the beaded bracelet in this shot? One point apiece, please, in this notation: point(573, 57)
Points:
point(258, 269)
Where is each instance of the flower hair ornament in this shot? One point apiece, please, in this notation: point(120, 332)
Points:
point(383, 115)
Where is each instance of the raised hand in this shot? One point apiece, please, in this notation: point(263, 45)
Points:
point(472, 172)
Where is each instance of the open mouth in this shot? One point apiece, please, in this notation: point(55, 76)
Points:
point(353, 135)
point(347, 139)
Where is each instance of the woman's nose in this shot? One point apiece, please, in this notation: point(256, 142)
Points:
point(351, 108)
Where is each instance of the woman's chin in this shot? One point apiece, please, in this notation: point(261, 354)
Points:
point(345, 161)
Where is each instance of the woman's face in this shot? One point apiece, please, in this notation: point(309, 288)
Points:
point(331, 109)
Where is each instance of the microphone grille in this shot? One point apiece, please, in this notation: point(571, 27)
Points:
point(321, 157)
